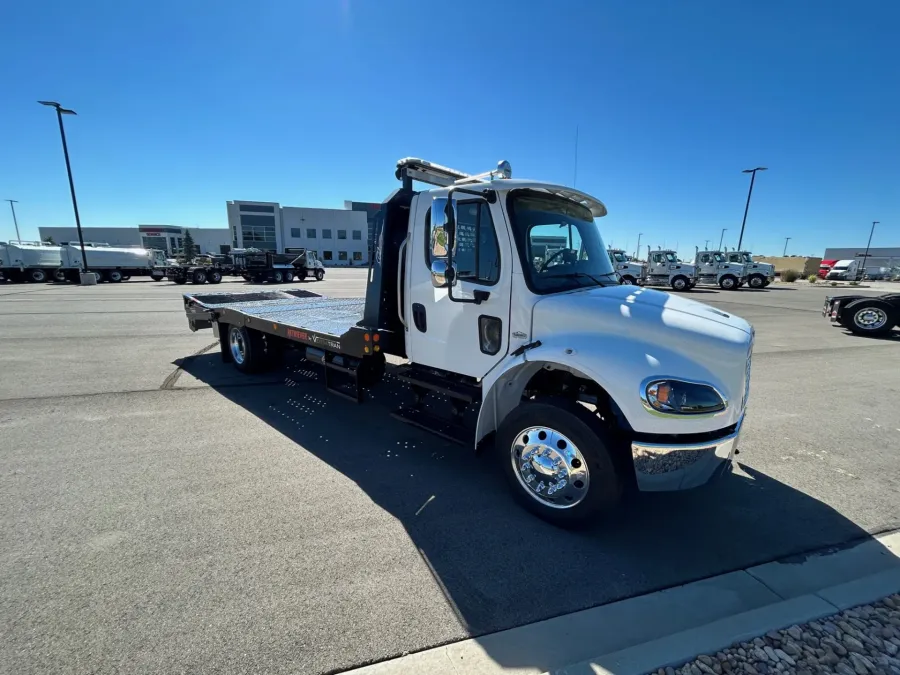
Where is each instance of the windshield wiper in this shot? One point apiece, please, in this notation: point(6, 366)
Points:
point(585, 274)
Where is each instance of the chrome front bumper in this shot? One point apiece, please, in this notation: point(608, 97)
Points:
point(662, 467)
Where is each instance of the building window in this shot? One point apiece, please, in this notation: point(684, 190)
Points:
point(310, 233)
point(357, 255)
point(296, 232)
point(326, 255)
point(258, 208)
point(357, 235)
point(326, 234)
point(342, 255)
point(342, 234)
point(257, 220)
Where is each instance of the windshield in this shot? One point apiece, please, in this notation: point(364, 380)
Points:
point(559, 243)
point(840, 267)
point(671, 257)
point(719, 257)
point(747, 258)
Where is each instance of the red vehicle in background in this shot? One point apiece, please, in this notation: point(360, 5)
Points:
point(825, 267)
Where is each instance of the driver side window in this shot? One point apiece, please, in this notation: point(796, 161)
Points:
point(657, 257)
point(477, 254)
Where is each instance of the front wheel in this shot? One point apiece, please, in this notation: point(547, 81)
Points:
point(628, 280)
point(757, 281)
point(557, 462)
point(728, 283)
point(869, 317)
point(320, 274)
point(680, 283)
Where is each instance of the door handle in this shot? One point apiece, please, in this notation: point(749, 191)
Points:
point(419, 317)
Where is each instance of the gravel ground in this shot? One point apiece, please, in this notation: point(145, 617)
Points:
point(864, 640)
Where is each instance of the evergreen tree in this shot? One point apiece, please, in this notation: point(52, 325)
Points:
point(189, 249)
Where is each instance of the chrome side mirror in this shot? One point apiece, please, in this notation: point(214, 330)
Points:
point(442, 275)
point(443, 226)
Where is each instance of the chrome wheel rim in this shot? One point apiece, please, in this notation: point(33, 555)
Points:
point(756, 282)
point(549, 467)
point(238, 347)
point(870, 318)
point(727, 283)
point(678, 284)
point(627, 282)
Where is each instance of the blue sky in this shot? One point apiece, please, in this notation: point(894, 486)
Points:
point(183, 105)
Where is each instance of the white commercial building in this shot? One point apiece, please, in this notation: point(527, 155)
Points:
point(168, 238)
point(338, 236)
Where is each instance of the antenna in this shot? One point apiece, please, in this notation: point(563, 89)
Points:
point(575, 177)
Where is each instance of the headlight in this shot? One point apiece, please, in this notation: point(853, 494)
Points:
point(676, 397)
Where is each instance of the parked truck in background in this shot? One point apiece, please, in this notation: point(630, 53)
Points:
point(579, 387)
point(759, 274)
point(846, 270)
point(714, 269)
point(109, 263)
point(665, 269)
point(632, 272)
point(825, 267)
point(32, 261)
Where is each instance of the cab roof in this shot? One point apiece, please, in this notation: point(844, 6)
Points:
point(596, 207)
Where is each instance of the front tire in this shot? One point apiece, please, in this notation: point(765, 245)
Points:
point(628, 280)
point(757, 281)
point(557, 462)
point(320, 274)
point(728, 283)
point(680, 283)
point(870, 317)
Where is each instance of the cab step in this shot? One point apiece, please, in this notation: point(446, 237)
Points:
point(453, 386)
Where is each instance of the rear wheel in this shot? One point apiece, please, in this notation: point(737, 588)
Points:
point(871, 317)
point(115, 276)
point(157, 278)
point(101, 276)
point(728, 283)
point(37, 276)
point(757, 281)
point(680, 283)
point(277, 277)
point(126, 277)
point(199, 277)
point(214, 277)
point(557, 462)
point(320, 274)
point(248, 350)
point(288, 277)
point(180, 280)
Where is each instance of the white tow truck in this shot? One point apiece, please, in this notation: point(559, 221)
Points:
point(665, 269)
point(578, 386)
point(715, 270)
point(632, 272)
point(759, 274)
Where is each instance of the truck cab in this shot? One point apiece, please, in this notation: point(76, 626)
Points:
point(499, 299)
point(846, 270)
point(759, 274)
point(631, 272)
point(665, 269)
point(825, 267)
point(715, 269)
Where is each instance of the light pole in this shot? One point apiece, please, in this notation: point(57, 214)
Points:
point(60, 111)
point(786, 240)
point(637, 251)
point(724, 229)
point(12, 203)
point(866, 254)
point(752, 173)
point(706, 245)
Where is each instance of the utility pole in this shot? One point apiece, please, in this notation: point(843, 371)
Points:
point(12, 203)
point(60, 111)
point(752, 173)
point(866, 255)
point(786, 240)
point(724, 229)
point(706, 245)
point(637, 251)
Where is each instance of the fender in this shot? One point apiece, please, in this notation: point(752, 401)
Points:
point(618, 365)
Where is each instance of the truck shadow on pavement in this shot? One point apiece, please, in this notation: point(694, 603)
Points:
point(498, 566)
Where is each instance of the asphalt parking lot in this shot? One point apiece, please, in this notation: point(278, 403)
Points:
point(160, 512)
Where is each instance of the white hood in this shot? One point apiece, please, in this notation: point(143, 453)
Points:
point(625, 334)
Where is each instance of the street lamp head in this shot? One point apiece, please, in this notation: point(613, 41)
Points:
point(59, 108)
point(759, 168)
point(52, 104)
point(66, 111)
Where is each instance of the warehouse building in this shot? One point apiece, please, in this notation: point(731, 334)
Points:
point(878, 257)
point(168, 238)
point(338, 236)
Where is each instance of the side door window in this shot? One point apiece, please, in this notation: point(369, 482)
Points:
point(477, 255)
point(705, 259)
point(657, 258)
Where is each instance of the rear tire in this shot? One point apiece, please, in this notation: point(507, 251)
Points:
point(101, 276)
point(248, 351)
point(576, 460)
point(214, 277)
point(36, 276)
point(871, 317)
point(277, 277)
point(115, 276)
point(680, 283)
point(288, 277)
point(180, 280)
point(199, 277)
point(126, 277)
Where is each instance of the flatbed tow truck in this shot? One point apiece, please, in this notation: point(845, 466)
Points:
point(874, 316)
point(500, 300)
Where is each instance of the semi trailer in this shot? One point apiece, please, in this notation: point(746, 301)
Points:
point(109, 263)
point(873, 316)
point(33, 261)
point(579, 387)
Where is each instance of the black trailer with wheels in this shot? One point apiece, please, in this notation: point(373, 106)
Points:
point(196, 274)
point(864, 314)
point(276, 268)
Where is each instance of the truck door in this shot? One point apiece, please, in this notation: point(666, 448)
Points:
point(460, 337)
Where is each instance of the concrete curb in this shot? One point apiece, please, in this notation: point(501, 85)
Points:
point(672, 626)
